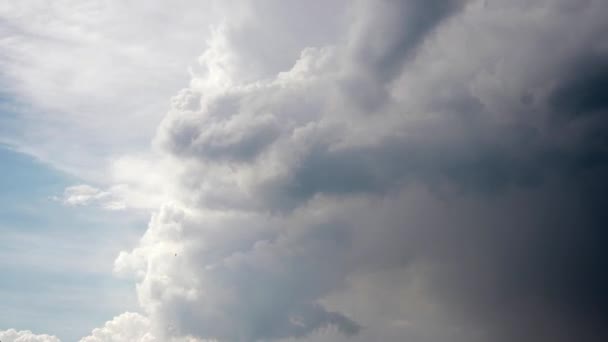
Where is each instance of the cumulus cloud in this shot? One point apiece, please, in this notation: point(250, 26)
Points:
point(128, 326)
point(433, 173)
point(12, 335)
point(449, 141)
point(132, 327)
point(73, 69)
point(223, 276)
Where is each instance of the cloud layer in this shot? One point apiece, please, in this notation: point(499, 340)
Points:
point(128, 326)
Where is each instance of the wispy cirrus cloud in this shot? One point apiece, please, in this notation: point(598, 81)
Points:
point(78, 195)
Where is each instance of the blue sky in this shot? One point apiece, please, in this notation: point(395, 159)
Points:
point(56, 261)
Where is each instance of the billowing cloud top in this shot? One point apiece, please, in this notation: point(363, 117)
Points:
point(436, 172)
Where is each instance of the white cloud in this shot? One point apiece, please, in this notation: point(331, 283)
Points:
point(128, 326)
point(12, 335)
point(221, 276)
point(131, 327)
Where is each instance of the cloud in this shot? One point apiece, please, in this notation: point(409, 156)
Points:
point(434, 172)
point(74, 69)
point(131, 326)
point(398, 148)
point(128, 326)
point(83, 194)
point(12, 335)
point(221, 276)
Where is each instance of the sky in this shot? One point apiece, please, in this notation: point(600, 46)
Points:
point(319, 171)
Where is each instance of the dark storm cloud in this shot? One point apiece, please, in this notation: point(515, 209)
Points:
point(583, 90)
point(462, 100)
point(531, 270)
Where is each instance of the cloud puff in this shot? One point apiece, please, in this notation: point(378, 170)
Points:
point(259, 147)
point(131, 327)
point(70, 96)
point(12, 335)
point(223, 277)
point(128, 326)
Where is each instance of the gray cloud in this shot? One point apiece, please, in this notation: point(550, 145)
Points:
point(462, 142)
